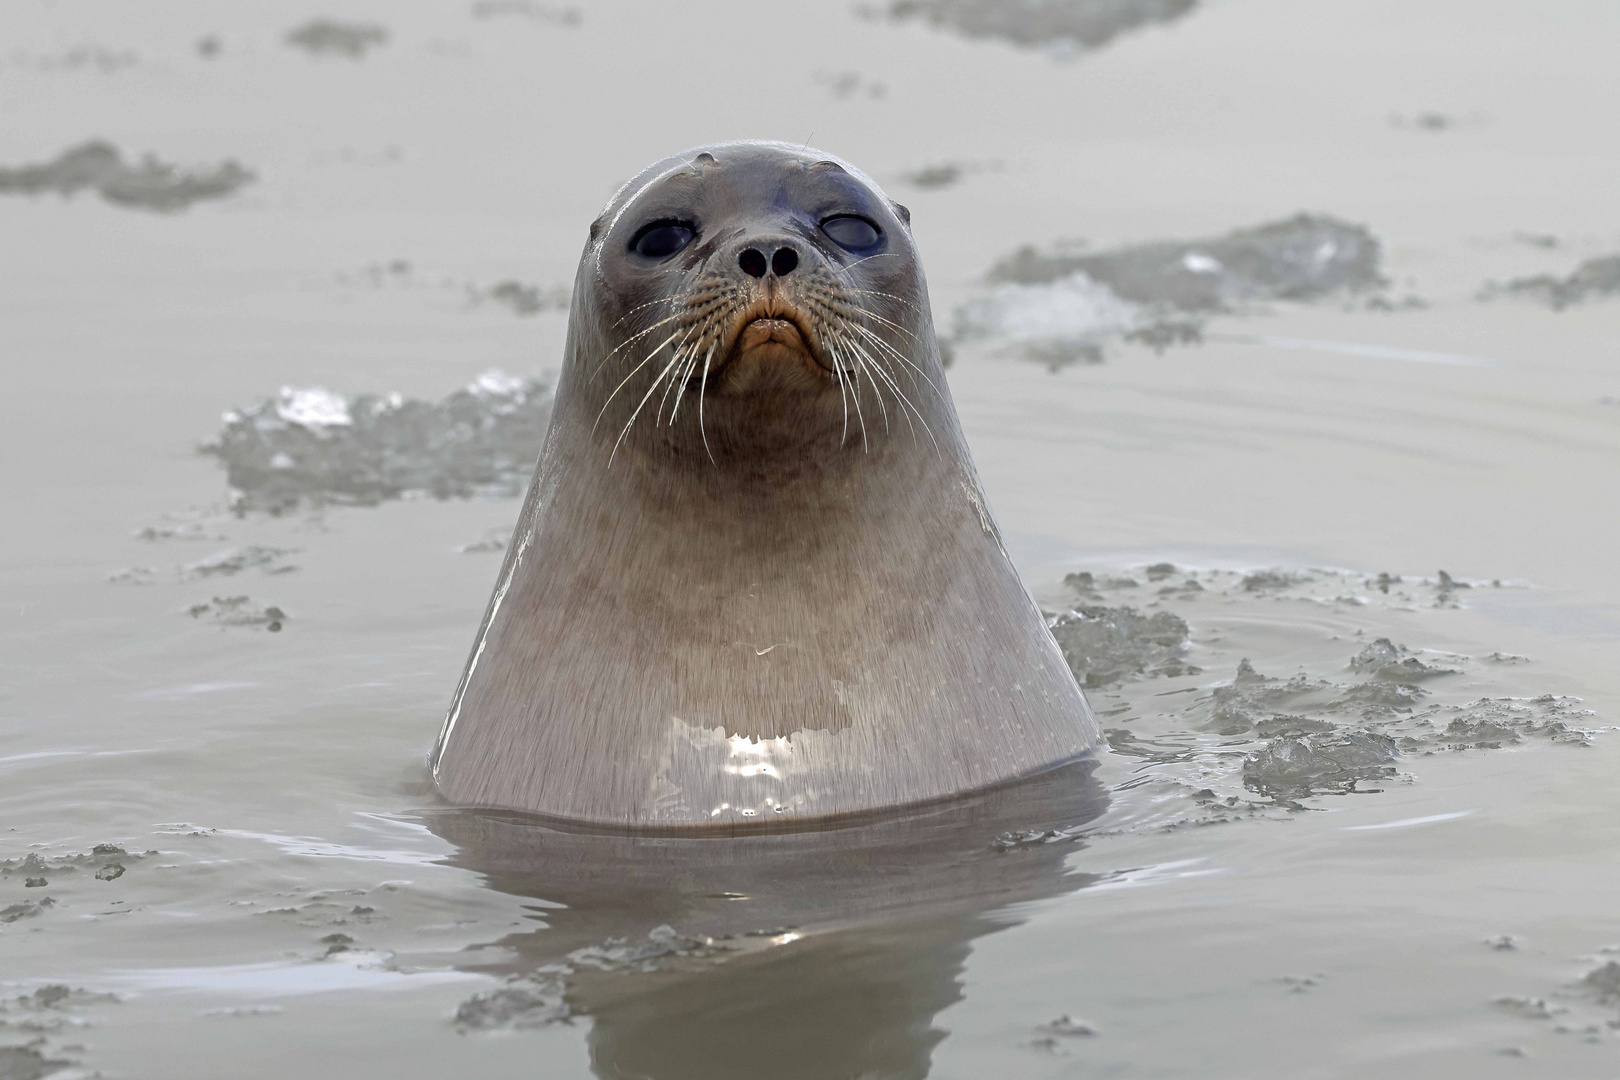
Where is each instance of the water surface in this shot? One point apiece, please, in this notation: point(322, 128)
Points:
point(1339, 858)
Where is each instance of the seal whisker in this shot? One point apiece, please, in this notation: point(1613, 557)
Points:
point(904, 399)
point(632, 375)
point(887, 322)
point(883, 372)
point(902, 357)
point(843, 397)
point(651, 390)
point(648, 304)
point(885, 295)
point(864, 365)
point(691, 365)
point(880, 255)
point(679, 380)
point(679, 355)
point(861, 368)
point(702, 303)
point(856, 397)
point(638, 336)
point(682, 351)
point(702, 389)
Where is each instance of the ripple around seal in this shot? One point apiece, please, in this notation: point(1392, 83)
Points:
point(313, 446)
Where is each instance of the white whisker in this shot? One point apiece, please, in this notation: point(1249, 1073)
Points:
point(703, 387)
point(640, 405)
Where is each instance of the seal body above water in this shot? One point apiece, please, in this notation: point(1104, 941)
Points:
point(755, 581)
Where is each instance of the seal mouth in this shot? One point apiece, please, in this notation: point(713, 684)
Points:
point(774, 331)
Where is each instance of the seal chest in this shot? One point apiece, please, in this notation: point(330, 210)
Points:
point(755, 579)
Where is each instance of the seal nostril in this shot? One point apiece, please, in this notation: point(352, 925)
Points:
point(752, 262)
point(784, 261)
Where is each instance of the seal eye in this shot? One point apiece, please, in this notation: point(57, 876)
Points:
point(661, 239)
point(851, 233)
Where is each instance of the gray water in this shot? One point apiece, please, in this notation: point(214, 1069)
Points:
point(1333, 553)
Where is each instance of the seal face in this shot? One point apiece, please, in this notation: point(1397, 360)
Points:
point(754, 581)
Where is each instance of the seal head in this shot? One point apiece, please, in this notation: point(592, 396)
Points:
point(755, 581)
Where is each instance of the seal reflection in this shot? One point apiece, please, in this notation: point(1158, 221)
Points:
point(801, 954)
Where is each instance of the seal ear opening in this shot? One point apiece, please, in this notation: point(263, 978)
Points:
point(705, 158)
point(905, 214)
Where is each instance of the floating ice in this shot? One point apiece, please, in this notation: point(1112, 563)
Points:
point(151, 185)
point(1257, 744)
point(104, 861)
point(1296, 766)
point(1299, 258)
point(847, 84)
point(329, 36)
point(239, 611)
point(525, 1001)
point(1062, 321)
point(1070, 24)
point(1491, 723)
point(935, 176)
point(1384, 659)
point(1068, 1026)
point(27, 909)
point(1064, 305)
point(1105, 645)
point(314, 446)
point(1603, 983)
point(529, 299)
point(616, 954)
point(315, 407)
point(235, 560)
point(1594, 279)
point(561, 14)
point(77, 57)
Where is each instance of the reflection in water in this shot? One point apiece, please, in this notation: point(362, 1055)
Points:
point(810, 954)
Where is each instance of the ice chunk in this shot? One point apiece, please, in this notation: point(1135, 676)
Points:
point(1066, 320)
point(151, 185)
point(1075, 24)
point(314, 446)
point(239, 611)
point(329, 36)
point(1295, 766)
point(1108, 645)
point(315, 407)
point(1303, 257)
point(1065, 304)
point(1594, 279)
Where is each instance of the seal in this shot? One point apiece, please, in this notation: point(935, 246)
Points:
point(755, 582)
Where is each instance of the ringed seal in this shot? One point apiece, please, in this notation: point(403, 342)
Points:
point(755, 581)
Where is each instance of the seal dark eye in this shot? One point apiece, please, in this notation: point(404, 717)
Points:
point(661, 239)
point(851, 233)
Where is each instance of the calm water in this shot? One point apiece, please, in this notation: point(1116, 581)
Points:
point(1340, 860)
